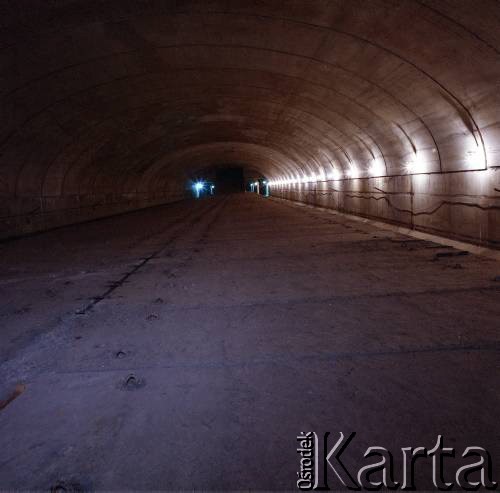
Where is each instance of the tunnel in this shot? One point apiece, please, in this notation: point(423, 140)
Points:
point(249, 245)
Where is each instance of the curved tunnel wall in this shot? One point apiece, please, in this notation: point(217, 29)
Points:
point(381, 108)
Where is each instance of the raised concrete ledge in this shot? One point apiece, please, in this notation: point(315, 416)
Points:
point(58, 219)
point(459, 245)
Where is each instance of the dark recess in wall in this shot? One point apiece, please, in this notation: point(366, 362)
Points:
point(229, 180)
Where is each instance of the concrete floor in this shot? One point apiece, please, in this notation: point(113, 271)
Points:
point(244, 322)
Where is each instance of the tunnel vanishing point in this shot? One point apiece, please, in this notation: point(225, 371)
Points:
point(231, 227)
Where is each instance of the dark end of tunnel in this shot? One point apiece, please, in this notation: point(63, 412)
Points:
point(223, 179)
point(230, 179)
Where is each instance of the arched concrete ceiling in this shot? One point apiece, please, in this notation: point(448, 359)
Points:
point(131, 95)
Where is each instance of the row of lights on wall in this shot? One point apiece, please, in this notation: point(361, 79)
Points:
point(377, 169)
point(474, 159)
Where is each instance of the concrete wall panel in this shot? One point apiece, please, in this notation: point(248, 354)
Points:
point(463, 206)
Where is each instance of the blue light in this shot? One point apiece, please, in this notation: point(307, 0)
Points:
point(198, 187)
